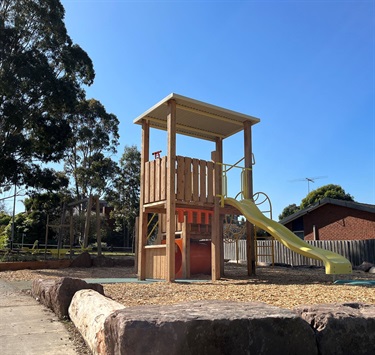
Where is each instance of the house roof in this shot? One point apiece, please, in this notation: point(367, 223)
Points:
point(196, 118)
point(325, 201)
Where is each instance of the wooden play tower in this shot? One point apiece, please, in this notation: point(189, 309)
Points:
point(185, 192)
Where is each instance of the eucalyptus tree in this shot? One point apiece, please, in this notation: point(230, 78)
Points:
point(124, 196)
point(42, 73)
point(93, 141)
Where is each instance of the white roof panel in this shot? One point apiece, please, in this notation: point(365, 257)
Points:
point(196, 118)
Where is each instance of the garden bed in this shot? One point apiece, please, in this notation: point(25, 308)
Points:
point(34, 265)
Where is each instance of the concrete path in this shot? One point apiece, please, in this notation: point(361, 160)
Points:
point(27, 327)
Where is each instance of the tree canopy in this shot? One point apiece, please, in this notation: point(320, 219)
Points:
point(41, 76)
point(45, 116)
point(330, 190)
point(289, 210)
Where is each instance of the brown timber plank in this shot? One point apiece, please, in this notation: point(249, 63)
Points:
point(152, 181)
point(210, 182)
point(157, 179)
point(180, 178)
point(195, 180)
point(147, 182)
point(163, 180)
point(202, 181)
point(187, 178)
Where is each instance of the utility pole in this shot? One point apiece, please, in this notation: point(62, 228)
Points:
point(13, 217)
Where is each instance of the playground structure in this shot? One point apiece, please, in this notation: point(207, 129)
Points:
point(189, 195)
point(88, 203)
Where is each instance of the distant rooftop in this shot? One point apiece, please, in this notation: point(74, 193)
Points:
point(196, 118)
point(349, 204)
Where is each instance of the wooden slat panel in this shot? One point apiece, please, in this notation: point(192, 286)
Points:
point(180, 178)
point(195, 180)
point(210, 182)
point(163, 222)
point(149, 264)
point(157, 179)
point(155, 262)
point(187, 180)
point(202, 181)
point(159, 265)
point(147, 182)
point(152, 181)
point(163, 180)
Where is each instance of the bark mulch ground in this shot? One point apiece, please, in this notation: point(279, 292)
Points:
point(284, 287)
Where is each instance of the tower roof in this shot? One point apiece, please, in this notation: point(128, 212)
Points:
point(196, 118)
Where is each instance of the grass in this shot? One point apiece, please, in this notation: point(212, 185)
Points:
point(7, 255)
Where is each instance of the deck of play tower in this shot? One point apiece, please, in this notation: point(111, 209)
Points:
point(177, 186)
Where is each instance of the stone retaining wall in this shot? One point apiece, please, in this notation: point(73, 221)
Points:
point(221, 327)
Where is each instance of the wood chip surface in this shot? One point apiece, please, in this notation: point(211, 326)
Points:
point(279, 286)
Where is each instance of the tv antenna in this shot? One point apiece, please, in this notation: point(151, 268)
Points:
point(310, 179)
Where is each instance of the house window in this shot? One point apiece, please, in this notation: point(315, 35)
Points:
point(298, 228)
point(300, 234)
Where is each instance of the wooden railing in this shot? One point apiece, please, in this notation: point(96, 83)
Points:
point(194, 180)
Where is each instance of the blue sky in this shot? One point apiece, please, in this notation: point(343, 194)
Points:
point(305, 68)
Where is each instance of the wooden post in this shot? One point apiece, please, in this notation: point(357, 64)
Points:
point(142, 224)
point(171, 195)
point(98, 234)
point(87, 224)
point(215, 242)
point(59, 239)
point(216, 239)
point(250, 244)
point(46, 239)
point(219, 149)
point(71, 231)
point(136, 237)
point(185, 249)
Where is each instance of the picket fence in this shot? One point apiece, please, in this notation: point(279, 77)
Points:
point(356, 251)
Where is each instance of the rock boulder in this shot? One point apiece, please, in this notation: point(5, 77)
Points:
point(365, 266)
point(57, 294)
point(82, 260)
point(347, 328)
point(88, 311)
point(208, 327)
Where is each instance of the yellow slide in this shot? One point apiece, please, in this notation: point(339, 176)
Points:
point(333, 262)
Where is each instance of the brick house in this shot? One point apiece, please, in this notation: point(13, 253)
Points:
point(331, 219)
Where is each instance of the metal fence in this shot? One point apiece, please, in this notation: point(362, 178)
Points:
point(356, 251)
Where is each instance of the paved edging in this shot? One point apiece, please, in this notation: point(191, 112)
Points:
point(27, 327)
